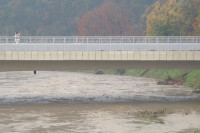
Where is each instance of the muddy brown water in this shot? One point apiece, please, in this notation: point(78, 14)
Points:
point(87, 103)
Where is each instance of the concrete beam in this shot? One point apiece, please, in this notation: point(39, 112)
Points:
point(60, 60)
point(102, 55)
point(85, 65)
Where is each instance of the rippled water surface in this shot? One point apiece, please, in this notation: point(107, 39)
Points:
point(80, 102)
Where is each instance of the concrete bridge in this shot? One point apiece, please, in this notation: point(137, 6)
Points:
point(70, 53)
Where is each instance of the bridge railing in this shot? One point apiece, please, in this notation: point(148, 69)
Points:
point(101, 39)
point(46, 43)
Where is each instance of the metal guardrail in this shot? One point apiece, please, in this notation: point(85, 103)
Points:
point(104, 43)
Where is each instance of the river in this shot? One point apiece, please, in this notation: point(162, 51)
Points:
point(87, 103)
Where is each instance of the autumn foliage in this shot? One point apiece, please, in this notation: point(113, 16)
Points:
point(196, 25)
point(164, 19)
point(173, 18)
point(107, 20)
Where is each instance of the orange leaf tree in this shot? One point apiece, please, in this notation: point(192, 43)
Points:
point(107, 20)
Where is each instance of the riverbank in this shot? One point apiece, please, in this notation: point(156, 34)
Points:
point(188, 78)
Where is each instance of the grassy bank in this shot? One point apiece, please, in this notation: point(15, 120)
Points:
point(197, 131)
point(191, 78)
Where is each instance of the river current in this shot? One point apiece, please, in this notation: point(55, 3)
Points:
point(88, 103)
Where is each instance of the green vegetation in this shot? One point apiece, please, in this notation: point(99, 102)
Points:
point(198, 131)
point(134, 72)
point(173, 18)
point(191, 78)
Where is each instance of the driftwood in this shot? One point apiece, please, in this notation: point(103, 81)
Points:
point(164, 83)
point(170, 81)
point(196, 91)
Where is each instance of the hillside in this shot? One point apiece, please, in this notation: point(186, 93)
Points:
point(50, 17)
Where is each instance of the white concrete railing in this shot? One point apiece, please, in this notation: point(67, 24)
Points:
point(104, 43)
point(102, 39)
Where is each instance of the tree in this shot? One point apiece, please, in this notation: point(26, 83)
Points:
point(164, 19)
point(171, 17)
point(137, 7)
point(43, 17)
point(107, 20)
point(189, 11)
point(196, 25)
point(50, 17)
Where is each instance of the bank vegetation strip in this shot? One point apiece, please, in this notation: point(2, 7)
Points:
point(189, 78)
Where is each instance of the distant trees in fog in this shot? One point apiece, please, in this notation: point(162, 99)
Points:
point(107, 20)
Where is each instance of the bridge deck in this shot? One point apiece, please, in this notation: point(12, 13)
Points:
point(66, 53)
